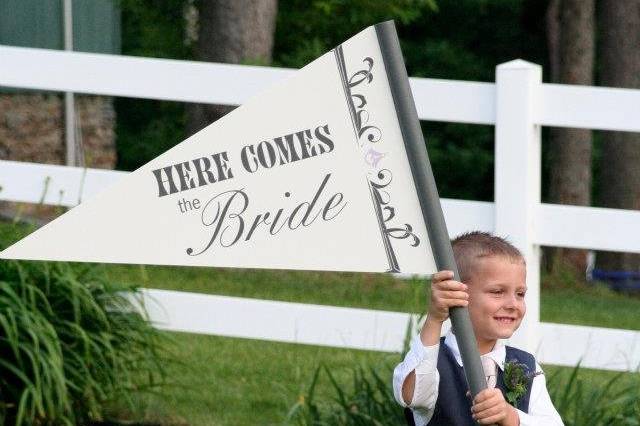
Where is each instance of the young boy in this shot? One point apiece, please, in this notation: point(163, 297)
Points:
point(430, 380)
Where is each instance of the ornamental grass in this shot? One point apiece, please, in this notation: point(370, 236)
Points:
point(70, 341)
point(369, 400)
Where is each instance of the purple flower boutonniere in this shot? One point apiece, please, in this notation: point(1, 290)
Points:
point(516, 378)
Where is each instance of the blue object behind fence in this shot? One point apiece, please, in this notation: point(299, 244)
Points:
point(618, 280)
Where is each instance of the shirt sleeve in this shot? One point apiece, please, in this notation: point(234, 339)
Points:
point(541, 409)
point(424, 360)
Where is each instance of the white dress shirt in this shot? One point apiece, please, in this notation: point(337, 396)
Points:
point(424, 360)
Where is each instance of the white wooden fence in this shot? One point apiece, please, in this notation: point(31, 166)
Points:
point(518, 104)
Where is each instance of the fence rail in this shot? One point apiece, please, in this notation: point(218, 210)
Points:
point(517, 104)
point(605, 348)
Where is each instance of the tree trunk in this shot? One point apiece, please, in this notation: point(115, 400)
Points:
point(570, 36)
point(620, 52)
point(552, 21)
point(239, 31)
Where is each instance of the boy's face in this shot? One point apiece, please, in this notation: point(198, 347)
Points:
point(496, 298)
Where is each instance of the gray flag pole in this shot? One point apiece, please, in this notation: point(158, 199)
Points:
point(428, 195)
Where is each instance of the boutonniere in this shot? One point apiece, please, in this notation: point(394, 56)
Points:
point(516, 378)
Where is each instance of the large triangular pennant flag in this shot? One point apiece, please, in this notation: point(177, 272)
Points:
point(312, 174)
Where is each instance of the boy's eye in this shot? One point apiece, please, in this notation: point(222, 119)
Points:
point(496, 291)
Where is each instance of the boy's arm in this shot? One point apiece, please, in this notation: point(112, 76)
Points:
point(430, 340)
point(419, 367)
point(541, 409)
point(416, 379)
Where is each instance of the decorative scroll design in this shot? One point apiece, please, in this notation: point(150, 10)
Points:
point(357, 102)
point(385, 213)
point(366, 134)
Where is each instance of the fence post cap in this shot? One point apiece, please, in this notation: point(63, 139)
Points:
point(518, 64)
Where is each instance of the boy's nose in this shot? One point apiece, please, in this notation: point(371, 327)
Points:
point(511, 302)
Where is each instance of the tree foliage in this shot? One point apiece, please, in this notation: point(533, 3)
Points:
point(147, 128)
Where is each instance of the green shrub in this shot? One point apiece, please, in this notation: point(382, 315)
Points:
point(581, 402)
point(69, 342)
point(370, 401)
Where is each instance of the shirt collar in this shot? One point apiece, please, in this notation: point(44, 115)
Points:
point(498, 353)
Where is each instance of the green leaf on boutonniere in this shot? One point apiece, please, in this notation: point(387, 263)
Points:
point(516, 378)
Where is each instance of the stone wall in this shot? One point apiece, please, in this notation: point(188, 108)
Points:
point(32, 129)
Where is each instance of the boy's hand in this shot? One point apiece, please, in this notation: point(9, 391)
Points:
point(489, 407)
point(446, 293)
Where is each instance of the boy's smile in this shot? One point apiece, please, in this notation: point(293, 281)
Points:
point(496, 299)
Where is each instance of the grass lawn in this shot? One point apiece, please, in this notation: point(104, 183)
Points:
point(597, 306)
point(226, 381)
point(229, 380)
point(372, 291)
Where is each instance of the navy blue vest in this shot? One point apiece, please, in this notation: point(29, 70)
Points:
point(453, 407)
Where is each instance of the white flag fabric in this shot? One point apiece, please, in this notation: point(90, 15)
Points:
point(311, 174)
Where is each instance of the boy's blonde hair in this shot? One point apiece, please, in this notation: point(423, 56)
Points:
point(471, 246)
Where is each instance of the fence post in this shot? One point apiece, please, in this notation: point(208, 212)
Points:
point(69, 98)
point(517, 178)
